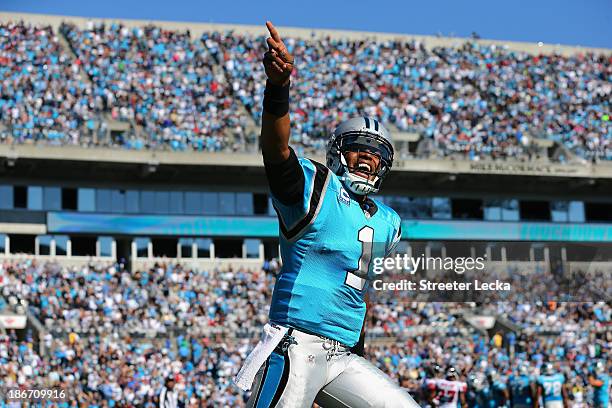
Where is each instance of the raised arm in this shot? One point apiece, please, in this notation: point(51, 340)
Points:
point(595, 382)
point(462, 401)
point(275, 125)
point(284, 173)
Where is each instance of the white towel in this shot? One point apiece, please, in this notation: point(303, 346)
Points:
point(271, 337)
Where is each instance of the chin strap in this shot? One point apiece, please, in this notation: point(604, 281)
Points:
point(358, 184)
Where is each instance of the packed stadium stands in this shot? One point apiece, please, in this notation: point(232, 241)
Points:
point(141, 296)
point(127, 363)
point(45, 97)
point(118, 371)
point(103, 298)
point(178, 91)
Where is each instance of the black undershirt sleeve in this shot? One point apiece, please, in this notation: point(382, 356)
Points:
point(359, 348)
point(286, 179)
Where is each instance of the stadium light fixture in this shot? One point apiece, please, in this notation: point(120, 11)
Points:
point(11, 159)
point(149, 168)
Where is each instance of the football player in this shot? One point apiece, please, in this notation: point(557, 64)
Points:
point(477, 392)
point(497, 390)
point(521, 389)
point(600, 381)
point(448, 392)
point(551, 388)
point(330, 229)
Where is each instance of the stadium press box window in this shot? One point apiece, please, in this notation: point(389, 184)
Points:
point(186, 247)
point(252, 247)
point(105, 246)
point(203, 247)
point(61, 245)
point(52, 198)
point(6, 197)
point(35, 198)
point(44, 244)
point(142, 247)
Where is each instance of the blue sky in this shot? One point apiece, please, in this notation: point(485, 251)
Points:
point(574, 22)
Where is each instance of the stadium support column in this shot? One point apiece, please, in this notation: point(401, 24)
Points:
point(503, 254)
point(563, 254)
point(212, 250)
point(133, 255)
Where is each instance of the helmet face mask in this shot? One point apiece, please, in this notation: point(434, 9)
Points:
point(359, 135)
point(452, 374)
point(549, 369)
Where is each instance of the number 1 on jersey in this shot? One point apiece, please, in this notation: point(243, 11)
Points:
point(355, 279)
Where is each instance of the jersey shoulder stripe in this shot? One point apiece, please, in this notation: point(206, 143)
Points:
point(320, 181)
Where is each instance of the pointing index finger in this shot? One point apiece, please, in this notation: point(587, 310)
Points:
point(273, 32)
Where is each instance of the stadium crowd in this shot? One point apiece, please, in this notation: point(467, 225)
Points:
point(104, 298)
point(179, 92)
point(161, 81)
point(108, 371)
point(114, 338)
point(44, 97)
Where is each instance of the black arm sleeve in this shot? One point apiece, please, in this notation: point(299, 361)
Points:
point(286, 179)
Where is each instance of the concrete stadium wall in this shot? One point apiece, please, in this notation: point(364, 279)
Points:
point(601, 170)
point(198, 28)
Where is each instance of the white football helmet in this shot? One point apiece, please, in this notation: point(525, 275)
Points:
point(360, 134)
point(600, 368)
point(548, 369)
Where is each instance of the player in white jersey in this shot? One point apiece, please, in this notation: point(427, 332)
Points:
point(448, 392)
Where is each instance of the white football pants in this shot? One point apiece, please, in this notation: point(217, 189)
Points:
point(306, 368)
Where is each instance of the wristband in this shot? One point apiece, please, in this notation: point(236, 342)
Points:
point(276, 99)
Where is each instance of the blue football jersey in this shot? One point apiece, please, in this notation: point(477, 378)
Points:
point(552, 385)
point(327, 244)
point(520, 385)
point(498, 396)
point(602, 394)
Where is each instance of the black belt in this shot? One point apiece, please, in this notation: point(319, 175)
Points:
point(286, 341)
point(327, 339)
